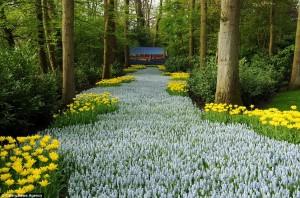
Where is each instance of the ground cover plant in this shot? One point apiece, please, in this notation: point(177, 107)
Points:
point(85, 109)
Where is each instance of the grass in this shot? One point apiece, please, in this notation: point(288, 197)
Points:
point(284, 100)
point(278, 133)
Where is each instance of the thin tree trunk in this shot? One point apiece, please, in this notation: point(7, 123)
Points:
point(149, 7)
point(8, 32)
point(191, 29)
point(109, 38)
point(271, 23)
point(228, 89)
point(295, 76)
point(41, 37)
point(126, 47)
point(157, 23)
point(47, 18)
point(68, 91)
point(203, 36)
point(106, 60)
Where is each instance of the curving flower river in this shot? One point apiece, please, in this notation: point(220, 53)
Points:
point(156, 145)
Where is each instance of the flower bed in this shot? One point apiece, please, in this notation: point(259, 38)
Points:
point(283, 125)
point(115, 81)
point(272, 116)
point(85, 109)
point(180, 76)
point(177, 88)
point(134, 68)
point(162, 68)
point(28, 164)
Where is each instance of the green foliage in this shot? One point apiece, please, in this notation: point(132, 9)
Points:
point(282, 62)
point(278, 133)
point(174, 27)
point(86, 76)
point(177, 63)
point(27, 99)
point(202, 82)
point(260, 78)
point(117, 69)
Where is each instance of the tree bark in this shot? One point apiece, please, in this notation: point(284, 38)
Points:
point(149, 7)
point(68, 50)
point(157, 23)
point(228, 89)
point(139, 14)
point(47, 18)
point(191, 29)
point(271, 23)
point(109, 38)
point(203, 34)
point(295, 76)
point(41, 37)
point(126, 47)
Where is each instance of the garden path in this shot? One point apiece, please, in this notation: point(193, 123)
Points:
point(157, 144)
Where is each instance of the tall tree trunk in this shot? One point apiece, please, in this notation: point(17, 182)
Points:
point(271, 23)
point(157, 23)
point(228, 89)
point(8, 32)
point(47, 19)
point(112, 27)
point(109, 38)
point(295, 76)
point(41, 37)
point(139, 14)
point(191, 29)
point(203, 36)
point(126, 47)
point(68, 91)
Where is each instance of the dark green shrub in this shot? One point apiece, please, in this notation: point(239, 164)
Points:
point(282, 62)
point(177, 63)
point(117, 69)
point(27, 99)
point(202, 83)
point(86, 76)
point(259, 80)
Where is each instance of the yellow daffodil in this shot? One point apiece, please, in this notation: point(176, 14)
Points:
point(9, 182)
point(53, 156)
point(44, 183)
point(5, 176)
point(179, 76)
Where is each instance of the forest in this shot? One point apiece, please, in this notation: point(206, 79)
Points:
point(150, 98)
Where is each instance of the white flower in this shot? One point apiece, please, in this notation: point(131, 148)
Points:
point(157, 145)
